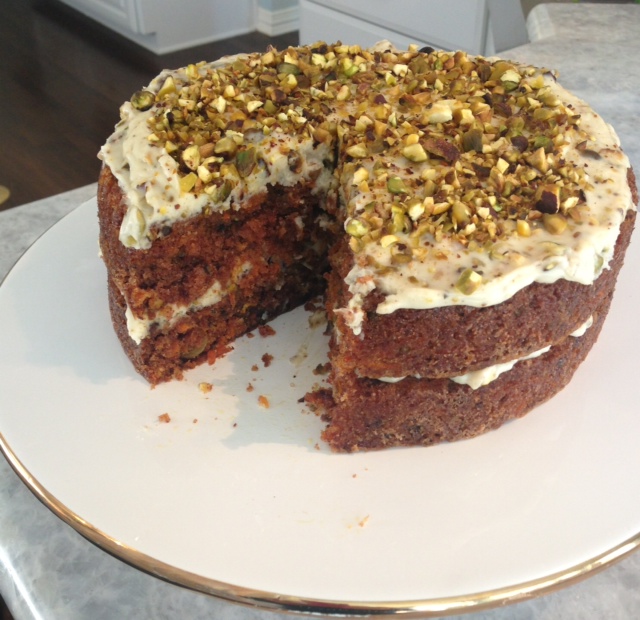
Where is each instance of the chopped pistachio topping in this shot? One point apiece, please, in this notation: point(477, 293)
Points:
point(439, 158)
point(462, 145)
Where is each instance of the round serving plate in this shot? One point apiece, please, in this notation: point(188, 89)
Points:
point(233, 493)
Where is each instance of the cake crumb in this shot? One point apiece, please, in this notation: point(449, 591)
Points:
point(263, 401)
point(204, 387)
point(266, 330)
point(254, 368)
point(165, 418)
point(195, 420)
point(364, 521)
point(322, 369)
point(250, 387)
point(314, 304)
point(217, 352)
point(300, 356)
point(267, 358)
point(317, 318)
point(251, 335)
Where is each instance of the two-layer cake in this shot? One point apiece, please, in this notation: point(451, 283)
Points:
point(470, 217)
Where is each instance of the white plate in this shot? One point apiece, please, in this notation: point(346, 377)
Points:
point(246, 503)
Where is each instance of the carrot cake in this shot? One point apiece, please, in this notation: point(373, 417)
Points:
point(466, 218)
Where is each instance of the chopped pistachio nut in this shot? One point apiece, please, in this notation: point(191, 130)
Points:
point(168, 88)
point(361, 174)
point(523, 228)
point(187, 182)
point(396, 185)
point(358, 151)
point(469, 281)
point(555, 223)
point(469, 147)
point(191, 157)
point(142, 100)
point(415, 153)
point(388, 240)
point(357, 227)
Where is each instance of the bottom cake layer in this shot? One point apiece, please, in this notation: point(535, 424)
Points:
point(366, 414)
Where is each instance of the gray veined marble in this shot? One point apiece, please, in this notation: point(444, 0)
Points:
point(594, 49)
point(50, 572)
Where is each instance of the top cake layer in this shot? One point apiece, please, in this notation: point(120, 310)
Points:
point(462, 179)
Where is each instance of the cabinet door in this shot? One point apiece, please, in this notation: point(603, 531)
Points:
point(119, 13)
point(447, 24)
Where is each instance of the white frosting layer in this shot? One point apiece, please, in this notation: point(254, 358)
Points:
point(149, 177)
point(479, 378)
point(579, 254)
point(139, 328)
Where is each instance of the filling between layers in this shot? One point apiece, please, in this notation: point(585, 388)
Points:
point(479, 378)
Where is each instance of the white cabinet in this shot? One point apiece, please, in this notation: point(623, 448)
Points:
point(120, 12)
point(167, 25)
point(477, 26)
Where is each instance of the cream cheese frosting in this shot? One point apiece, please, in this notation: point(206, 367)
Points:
point(150, 177)
point(417, 258)
point(579, 253)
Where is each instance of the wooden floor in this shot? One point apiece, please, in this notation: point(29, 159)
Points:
point(62, 80)
point(4, 612)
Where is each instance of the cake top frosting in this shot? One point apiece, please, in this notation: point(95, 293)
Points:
point(462, 179)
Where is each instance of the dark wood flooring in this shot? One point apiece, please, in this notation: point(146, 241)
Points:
point(62, 80)
point(4, 612)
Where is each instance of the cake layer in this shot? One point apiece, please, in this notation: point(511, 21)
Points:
point(206, 334)
point(210, 280)
point(451, 340)
point(279, 228)
point(366, 414)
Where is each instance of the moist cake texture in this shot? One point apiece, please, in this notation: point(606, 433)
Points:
point(468, 217)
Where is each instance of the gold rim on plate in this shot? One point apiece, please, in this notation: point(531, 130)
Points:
point(289, 603)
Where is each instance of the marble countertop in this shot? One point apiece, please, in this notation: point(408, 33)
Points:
point(48, 571)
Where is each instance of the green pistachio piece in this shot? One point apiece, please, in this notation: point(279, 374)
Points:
point(142, 100)
point(357, 227)
point(468, 282)
point(223, 192)
point(545, 142)
point(288, 68)
point(225, 145)
point(246, 161)
point(472, 140)
point(167, 88)
point(396, 186)
point(415, 153)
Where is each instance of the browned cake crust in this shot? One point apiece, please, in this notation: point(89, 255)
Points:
point(453, 340)
point(287, 265)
